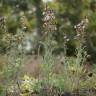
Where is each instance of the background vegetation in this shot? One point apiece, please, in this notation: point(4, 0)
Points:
point(68, 13)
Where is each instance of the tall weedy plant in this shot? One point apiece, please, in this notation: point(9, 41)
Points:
point(12, 69)
point(48, 58)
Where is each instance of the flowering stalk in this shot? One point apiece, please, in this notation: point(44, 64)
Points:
point(81, 53)
point(49, 21)
point(3, 26)
point(80, 29)
point(15, 59)
point(48, 60)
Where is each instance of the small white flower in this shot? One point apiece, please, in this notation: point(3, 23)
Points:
point(67, 39)
point(78, 35)
point(47, 17)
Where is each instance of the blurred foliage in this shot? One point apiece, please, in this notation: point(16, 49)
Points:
point(68, 13)
point(21, 26)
